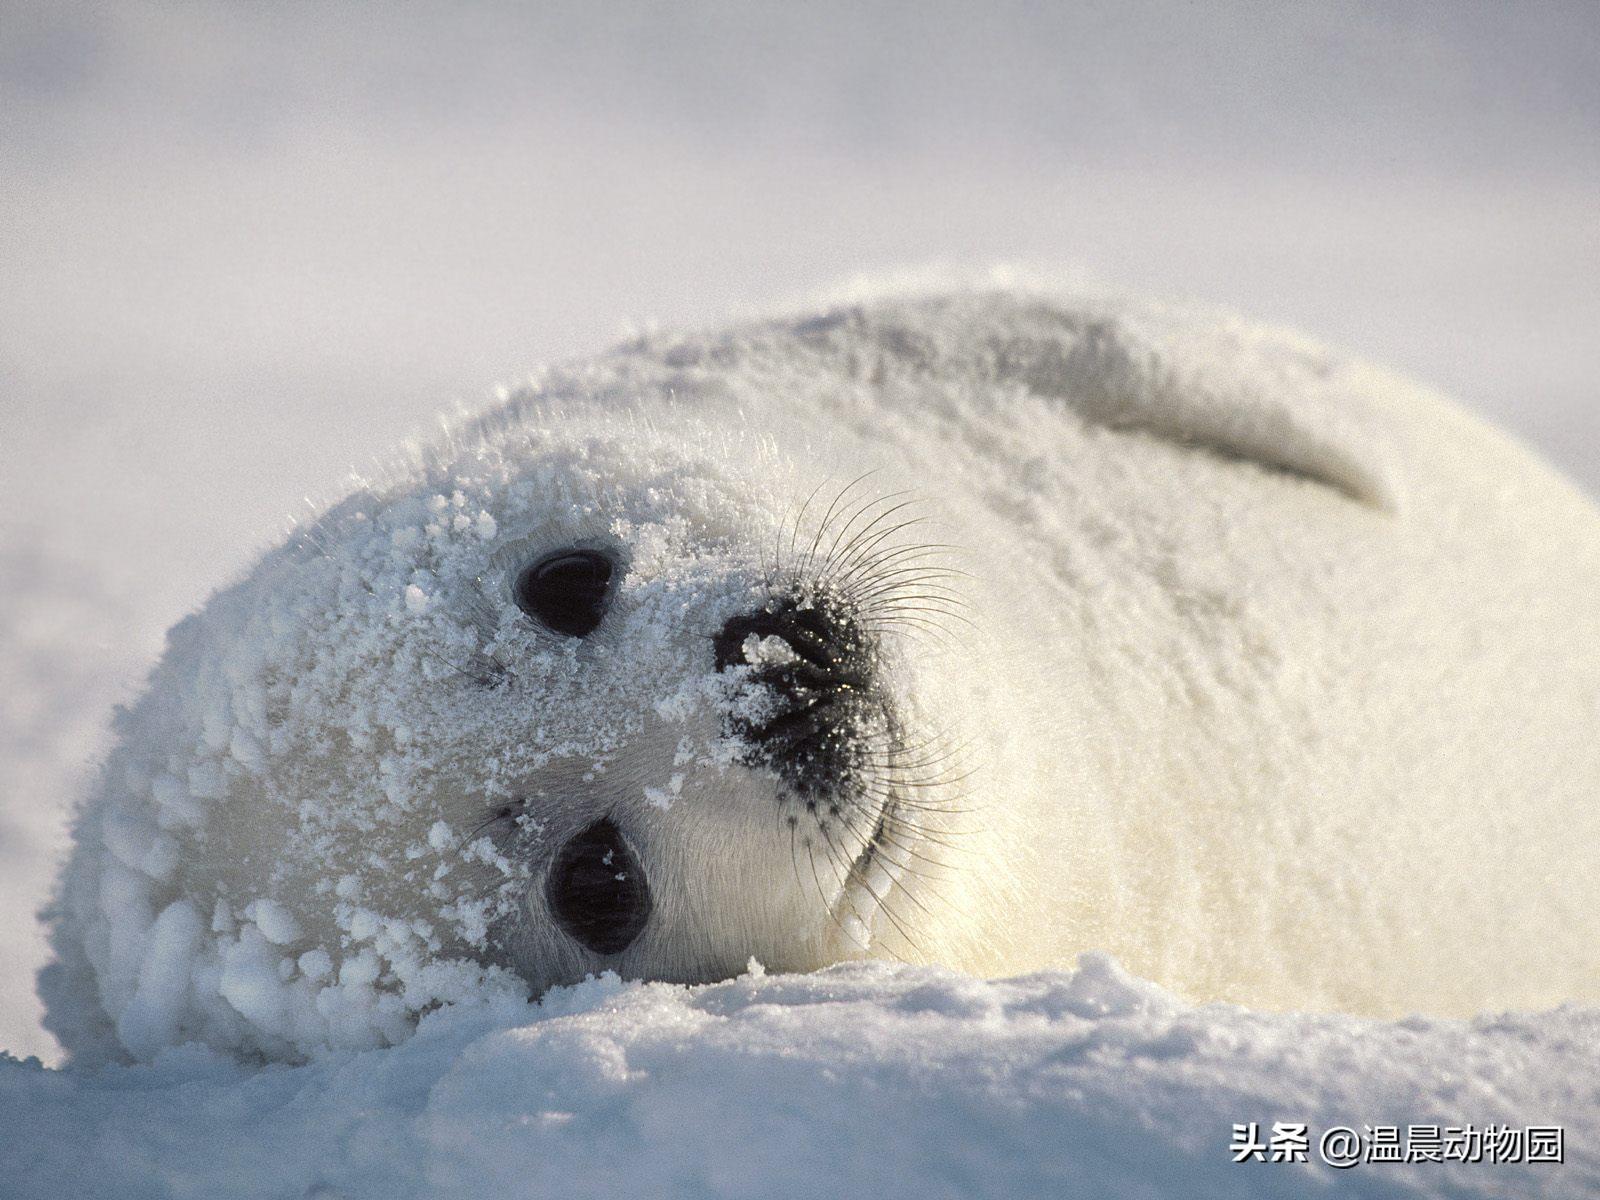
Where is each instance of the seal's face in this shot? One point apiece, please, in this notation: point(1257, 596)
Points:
point(745, 812)
point(592, 721)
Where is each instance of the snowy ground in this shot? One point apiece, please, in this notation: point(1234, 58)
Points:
point(862, 1080)
point(242, 255)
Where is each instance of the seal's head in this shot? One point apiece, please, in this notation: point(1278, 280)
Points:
point(720, 747)
point(555, 699)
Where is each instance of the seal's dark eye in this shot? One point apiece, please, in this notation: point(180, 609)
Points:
point(566, 591)
point(596, 890)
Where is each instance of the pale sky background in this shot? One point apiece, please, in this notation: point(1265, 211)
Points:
point(246, 247)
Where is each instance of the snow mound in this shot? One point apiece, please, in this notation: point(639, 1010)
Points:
point(865, 1079)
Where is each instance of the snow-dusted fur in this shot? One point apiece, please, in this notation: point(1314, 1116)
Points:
point(1268, 672)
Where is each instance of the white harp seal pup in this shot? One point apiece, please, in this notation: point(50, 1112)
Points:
point(982, 628)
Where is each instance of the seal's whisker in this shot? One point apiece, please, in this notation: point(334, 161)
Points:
point(827, 518)
point(909, 582)
point(906, 572)
point(902, 781)
point(876, 601)
point(890, 818)
point(920, 776)
point(908, 791)
point(844, 549)
point(933, 635)
point(867, 562)
point(799, 516)
point(872, 600)
point(931, 887)
point(911, 852)
point(898, 753)
point(480, 608)
point(897, 606)
point(916, 780)
point(874, 592)
point(822, 895)
point(848, 534)
point(794, 823)
point(895, 890)
point(505, 812)
point(895, 565)
point(865, 540)
point(935, 737)
point(865, 554)
point(791, 525)
point(922, 829)
point(887, 592)
point(481, 679)
point(853, 875)
point(916, 785)
point(935, 606)
point(924, 619)
point(938, 838)
point(848, 875)
point(921, 812)
point(889, 613)
point(859, 552)
point(914, 759)
point(932, 632)
point(888, 610)
point(889, 795)
point(878, 552)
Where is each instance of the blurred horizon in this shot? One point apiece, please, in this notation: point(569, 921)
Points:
point(249, 247)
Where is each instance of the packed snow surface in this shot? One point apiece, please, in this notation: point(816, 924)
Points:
point(865, 1079)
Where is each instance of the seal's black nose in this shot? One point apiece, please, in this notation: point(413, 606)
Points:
point(597, 891)
point(823, 636)
point(816, 660)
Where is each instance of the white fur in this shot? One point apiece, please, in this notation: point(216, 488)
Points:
point(1273, 675)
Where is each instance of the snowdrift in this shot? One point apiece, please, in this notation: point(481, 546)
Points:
point(865, 1079)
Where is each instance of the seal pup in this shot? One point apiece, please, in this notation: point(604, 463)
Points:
point(981, 628)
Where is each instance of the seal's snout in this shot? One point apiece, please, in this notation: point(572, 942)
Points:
point(596, 890)
point(814, 661)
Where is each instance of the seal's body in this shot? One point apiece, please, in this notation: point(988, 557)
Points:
point(983, 629)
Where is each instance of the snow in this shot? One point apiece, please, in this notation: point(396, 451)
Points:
point(865, 1079)
point(246, 250)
